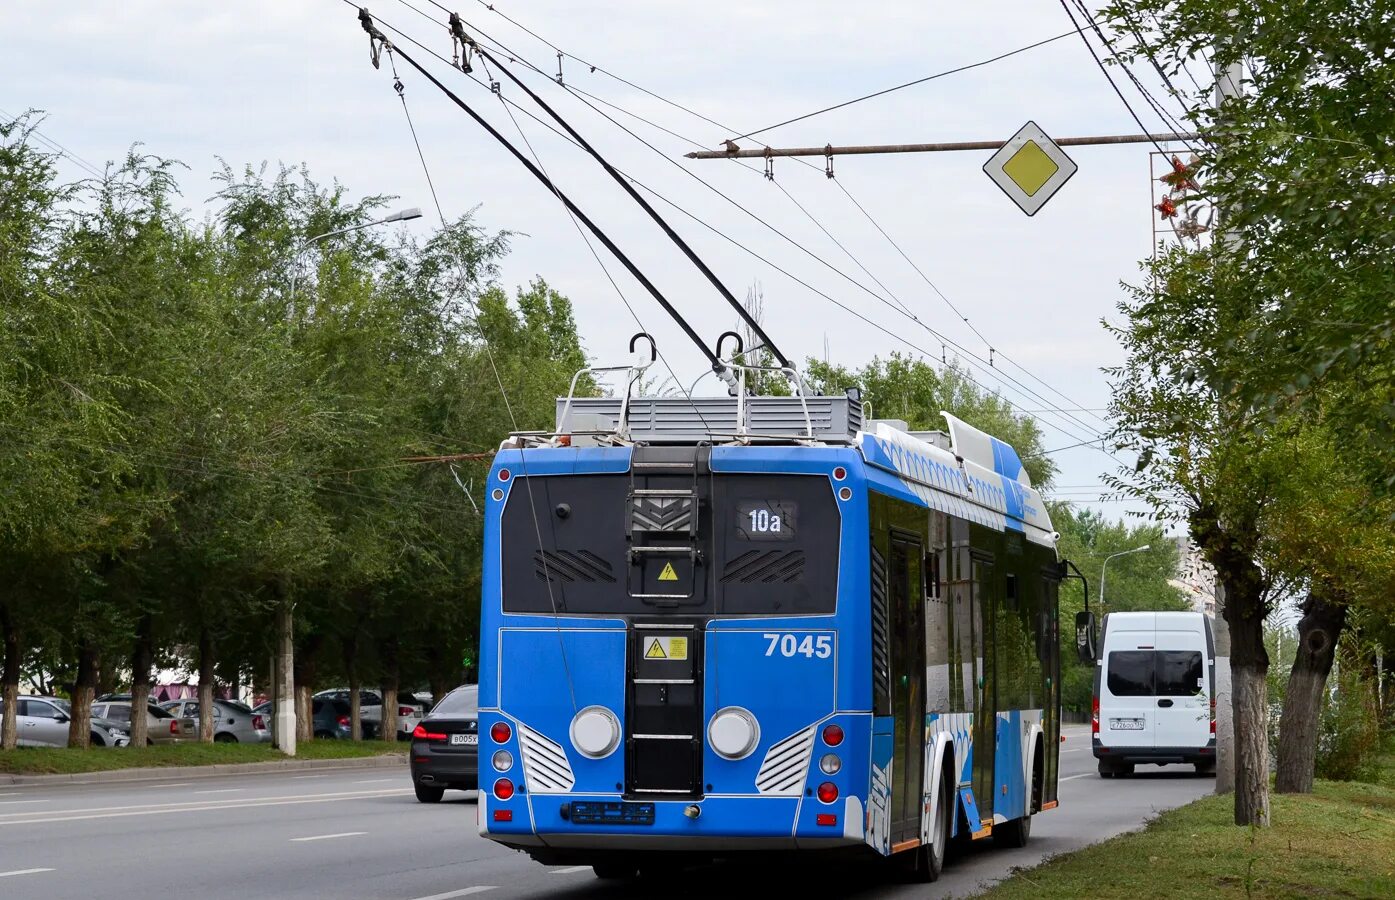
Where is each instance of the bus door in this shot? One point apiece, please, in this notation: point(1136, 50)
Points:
point(906, 579)
point(985, 703)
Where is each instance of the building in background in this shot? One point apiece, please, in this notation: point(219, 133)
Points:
point(1195, 577)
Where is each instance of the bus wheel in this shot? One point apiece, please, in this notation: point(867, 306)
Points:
point(1013, 833)
point(614, 871)
point(928, 860)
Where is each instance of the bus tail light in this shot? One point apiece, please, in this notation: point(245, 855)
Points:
point(832, 735)
point(1095, 717)
point(826, 819)
point(503, 815)
point(500, 732)
point(503, 789)
point(828, 792)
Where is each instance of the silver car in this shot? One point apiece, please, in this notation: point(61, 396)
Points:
point(162, 727)
point(43, 722)
point(233, 723)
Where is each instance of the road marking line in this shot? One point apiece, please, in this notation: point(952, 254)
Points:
point(1076, 750)
point(12, 802)
point(248, 803)
point(222, 791)
point(297, 777)
point(202, 803)
point(463, 892)
point(325, 837)
point(376, 781)
point(571, 870)
point(23, 872)
point(1073, 777)
point(165, 784)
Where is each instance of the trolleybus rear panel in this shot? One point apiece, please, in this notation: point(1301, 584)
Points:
point(878, 587)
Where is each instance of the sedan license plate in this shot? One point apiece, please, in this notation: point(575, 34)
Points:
point(1125, 724)
point(467, 740)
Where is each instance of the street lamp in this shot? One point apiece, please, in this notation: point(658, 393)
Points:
point(402, 215)
point(1105, 567)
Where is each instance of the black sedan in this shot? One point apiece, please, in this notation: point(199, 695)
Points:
point(445, 746)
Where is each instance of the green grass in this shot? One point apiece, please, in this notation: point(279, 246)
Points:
point(54, 760)
point(1337, 842)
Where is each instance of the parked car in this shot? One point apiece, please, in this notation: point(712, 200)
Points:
point(233, 722)
point(409, 710)
point(445, 746)
point(162, 727)
point(330, 717)
point(43, 722)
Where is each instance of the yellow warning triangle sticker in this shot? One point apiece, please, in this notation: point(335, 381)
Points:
point(668, 574)
point(656, 649)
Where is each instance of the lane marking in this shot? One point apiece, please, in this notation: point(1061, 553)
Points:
point(165, 784)
point(326, 837)
point(1076, 750)
point(13, 802)
point(376, 781)
point(571, 870)
point(247, 803)
point(1081, 775)
point(222, 791)
point(463, 892)
point(23, 872)
point(299, 777)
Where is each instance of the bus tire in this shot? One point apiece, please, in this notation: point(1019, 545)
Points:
point(614, 871)
point(1014, 832)
point(928, 860)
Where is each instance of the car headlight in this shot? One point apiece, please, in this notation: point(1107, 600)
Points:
point(117, 732)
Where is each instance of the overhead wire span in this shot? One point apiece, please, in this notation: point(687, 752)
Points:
point(576, 90)
point(998, 374)
point(58, 148)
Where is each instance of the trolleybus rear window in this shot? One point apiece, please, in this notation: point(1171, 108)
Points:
point(762, 545)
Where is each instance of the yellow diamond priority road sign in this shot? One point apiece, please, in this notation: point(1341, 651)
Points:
point(1030, 168)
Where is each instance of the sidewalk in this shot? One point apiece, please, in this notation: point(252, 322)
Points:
point(164, 773)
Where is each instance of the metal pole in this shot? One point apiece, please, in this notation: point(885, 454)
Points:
point(1227, 86)
point(942, 147)
point(1105, 567)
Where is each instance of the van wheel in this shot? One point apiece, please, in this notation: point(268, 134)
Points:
point(1107, 769)
point(1206, 767)
point(1013, 833)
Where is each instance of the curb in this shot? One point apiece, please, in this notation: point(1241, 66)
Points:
point(164, 773)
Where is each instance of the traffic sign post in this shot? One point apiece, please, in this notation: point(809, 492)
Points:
point(1030, 168)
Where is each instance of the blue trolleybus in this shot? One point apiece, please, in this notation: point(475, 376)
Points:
point(720, 626)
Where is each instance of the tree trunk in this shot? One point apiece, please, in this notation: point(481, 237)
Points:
point(142, 658)
point(9, 683)
point(84, 689)
point(350, 647)
point(306, 658)
point(206, 683)
point(391, 675)
point(1324, 617)
point(1249, 668)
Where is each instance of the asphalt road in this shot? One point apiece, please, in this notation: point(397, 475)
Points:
point(361, 834)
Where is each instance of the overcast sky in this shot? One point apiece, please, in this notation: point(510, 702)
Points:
point(289, 81)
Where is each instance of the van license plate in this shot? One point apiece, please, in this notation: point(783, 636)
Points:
point(465, 739)
point(1125, 724)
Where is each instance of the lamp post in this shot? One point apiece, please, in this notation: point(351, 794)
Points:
point(402, 215)
point(1105, 567)
point(283, 658)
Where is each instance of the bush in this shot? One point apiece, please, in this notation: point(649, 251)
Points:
point(1349, 739)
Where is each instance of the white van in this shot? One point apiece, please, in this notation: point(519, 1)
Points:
point(1153, 695)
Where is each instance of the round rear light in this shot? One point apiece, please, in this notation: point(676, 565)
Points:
point(595, 732)
point(503, 789)
point(501, 732)
point(733, 733)
point(845, 493)
point(502, 760)
point(504, 475)
point(839, 473)
point(828, 792)
point(832, 735)
point(830, 764)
